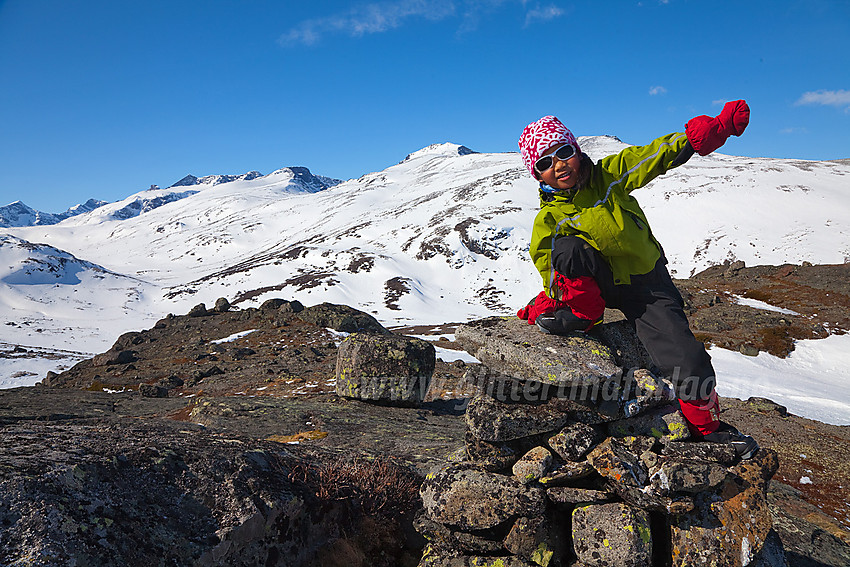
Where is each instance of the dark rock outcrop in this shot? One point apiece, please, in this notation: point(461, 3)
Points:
point(128, 492)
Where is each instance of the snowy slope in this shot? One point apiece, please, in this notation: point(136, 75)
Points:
point(442, 236)
point(52, 300)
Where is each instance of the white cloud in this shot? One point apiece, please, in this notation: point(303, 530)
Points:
point(542, 14)
point(719, 102)
point(793, 130)
point(385, 15)
point(368, 19)
point(659, 90)
point(826, 98)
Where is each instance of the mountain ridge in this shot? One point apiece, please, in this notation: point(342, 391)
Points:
point(18, 214)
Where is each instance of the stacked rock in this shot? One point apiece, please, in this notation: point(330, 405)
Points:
point(570, 460)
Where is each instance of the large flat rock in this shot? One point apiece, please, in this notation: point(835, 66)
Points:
point(513, 347)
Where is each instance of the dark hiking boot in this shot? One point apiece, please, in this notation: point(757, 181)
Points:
point(564, 322)
point(745, 446)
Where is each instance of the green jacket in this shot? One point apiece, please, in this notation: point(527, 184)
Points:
point(604, 213)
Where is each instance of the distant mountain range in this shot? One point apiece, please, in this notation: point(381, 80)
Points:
point(441, 236)
point(19, 214)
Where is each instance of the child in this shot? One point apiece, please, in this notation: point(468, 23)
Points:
point(592, 245)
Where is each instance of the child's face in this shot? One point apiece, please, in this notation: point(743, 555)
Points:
point(564, 173)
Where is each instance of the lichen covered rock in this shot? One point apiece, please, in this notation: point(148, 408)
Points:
point(612, 535)
point(471, 499)
point(575, 440)
point(728, 527)
point(537, 540)
point(533, 465)
point(384, 368)
point(511, 346)
point(492, 420)
point(665, 423)
point(341, 318)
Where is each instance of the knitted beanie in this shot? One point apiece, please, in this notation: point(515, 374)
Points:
point(539, 136)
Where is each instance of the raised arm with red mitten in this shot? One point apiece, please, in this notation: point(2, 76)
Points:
point(706, 134)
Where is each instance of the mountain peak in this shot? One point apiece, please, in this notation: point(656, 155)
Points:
point(304, 177)
point(212, 180)
point(446, 149)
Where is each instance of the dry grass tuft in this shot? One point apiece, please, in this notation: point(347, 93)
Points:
point(379, 487)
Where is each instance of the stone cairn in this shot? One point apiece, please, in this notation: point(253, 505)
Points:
point(570, 460)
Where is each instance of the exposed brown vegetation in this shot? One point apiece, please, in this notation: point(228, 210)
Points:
point(379, 487)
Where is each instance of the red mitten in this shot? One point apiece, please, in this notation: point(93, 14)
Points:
point(539, 305)
point(706, 134)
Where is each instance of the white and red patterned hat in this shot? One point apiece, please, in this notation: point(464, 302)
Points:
point(539, 136)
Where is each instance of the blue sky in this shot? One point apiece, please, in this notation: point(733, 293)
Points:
point(104, 98)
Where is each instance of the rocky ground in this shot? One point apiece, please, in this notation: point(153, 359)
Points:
point(818, 296)
point(230, 415)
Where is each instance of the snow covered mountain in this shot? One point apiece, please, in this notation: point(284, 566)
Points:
point(19, 214)
point(441, 236)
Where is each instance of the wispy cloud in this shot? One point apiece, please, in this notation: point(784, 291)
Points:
point(368, 19)
point(839, 98)
point(719, 102)
point(385, 15)
point(659, 90)
point(542, 14)
point(793, 130)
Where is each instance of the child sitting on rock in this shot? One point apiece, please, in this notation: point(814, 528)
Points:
point(593, 247)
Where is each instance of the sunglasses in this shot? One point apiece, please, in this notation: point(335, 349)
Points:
point(563, 153)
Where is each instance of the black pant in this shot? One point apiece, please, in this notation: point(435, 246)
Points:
point(655, 308)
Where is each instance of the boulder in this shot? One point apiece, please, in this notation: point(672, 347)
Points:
point(573, 496)
point(566, 473)
point(612, 535)
point(613, 461)
point(574, 441)
point(432, 557)
point(702, 451)
point(341, 318)
point(221, 305)
point(471, 499)
point(491, 420)
point(491, 456)
point(533, 465)
point(510, 346)
point(623, 341)
point(537, 540)
point(665, 423)
point(728, 527)
point(152, 391)
point(384, 368)
point(199, 310)
point(674, 475)
point(441, 537)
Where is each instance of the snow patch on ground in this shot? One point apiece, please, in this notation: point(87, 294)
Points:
point(233, 337)
point(756, 304)
point(449, 355)
point(811, 382)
